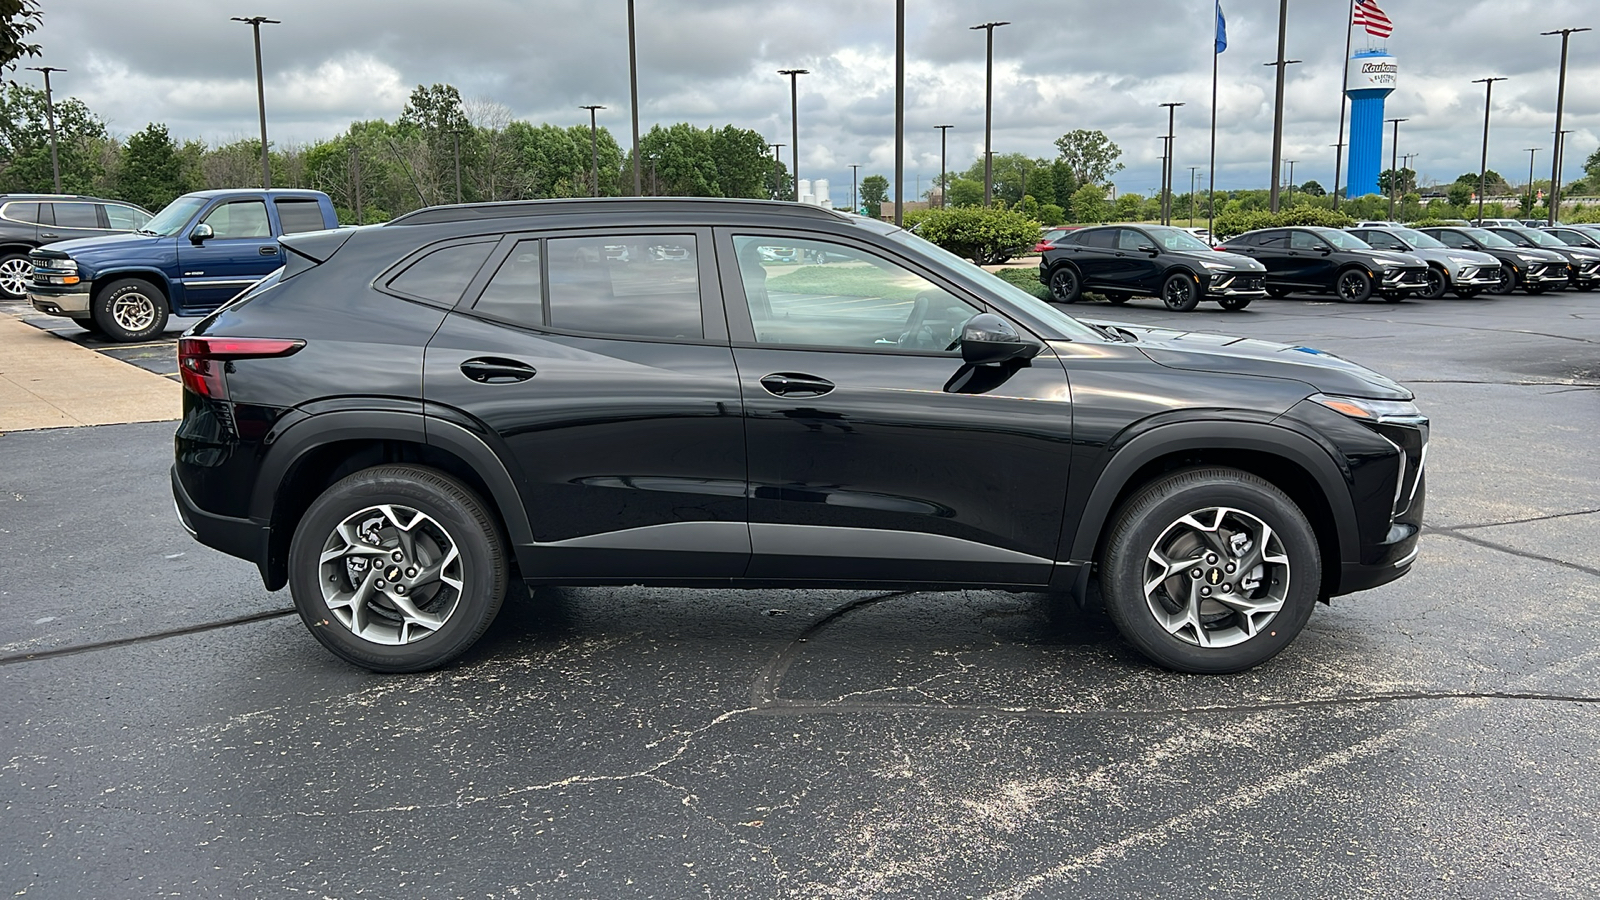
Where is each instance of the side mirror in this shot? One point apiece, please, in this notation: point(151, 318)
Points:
point(201, 233)
point(1150, 249)
point(987, 338)
point(1325, 250)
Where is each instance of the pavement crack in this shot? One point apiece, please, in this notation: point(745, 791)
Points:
point(765, 689)
point(1545, 518)
point(1523, 554)
point(75, 649)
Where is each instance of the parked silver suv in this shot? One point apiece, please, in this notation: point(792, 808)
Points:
point(1467, 272)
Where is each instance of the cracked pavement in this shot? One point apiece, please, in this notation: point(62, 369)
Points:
point(169, 730)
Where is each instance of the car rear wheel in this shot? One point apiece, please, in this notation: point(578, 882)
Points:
point(1354, 286)
point(1234, 304)
point(130, 310)
point(1180, 293)
point(1065, 287)
point(398, 568)
point(1437, 282)
point(1507, 283)
point(16, 273)
point(1210, 570)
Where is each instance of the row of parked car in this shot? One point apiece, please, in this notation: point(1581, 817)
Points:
point(1371, 260)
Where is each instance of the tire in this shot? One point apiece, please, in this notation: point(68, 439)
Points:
point(375, 507)
point(1586, 287)
point(1438, 283)
point(1191, 519)
point(1508, 282)
point(1116, 299)
point(1065, 285)
point(130, 309)
point(16, 273)
point(1277, 293)
point(1180, 293)
point(1353, 286)
point(1234, 304)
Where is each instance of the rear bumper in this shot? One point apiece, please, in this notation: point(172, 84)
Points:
point(244, 538)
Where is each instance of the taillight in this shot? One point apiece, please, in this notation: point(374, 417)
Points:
point(201, 359)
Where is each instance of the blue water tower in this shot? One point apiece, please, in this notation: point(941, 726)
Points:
point(1370, 77)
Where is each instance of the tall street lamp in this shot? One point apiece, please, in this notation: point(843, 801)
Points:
point(50, 109)
point(255, 23)
point(1338, 160)
point(1483, 164)
point(1192, 171)
point(900, 111)
point(794, 125)
point(594, 145)
point(988, 110)
point(1561, 99)
point(456, 133)
point(855, 204)
point(1531, 152)
point(1561, 159)
point(1394, 165)
point(776, 161)
point(1166, 169)
point(944, 181)
point(633, 101)
point(1277, 107)
point(1289, 187)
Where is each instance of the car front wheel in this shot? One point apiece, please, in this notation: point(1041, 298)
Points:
point(398, 568)
point(1180, 293)
point(1507, 282)
point(1437, 282)
point(130, 310)
point(1210, 570)
point(1354, 286)
point(16, 273)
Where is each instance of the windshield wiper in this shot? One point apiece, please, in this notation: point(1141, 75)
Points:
point(149, 232)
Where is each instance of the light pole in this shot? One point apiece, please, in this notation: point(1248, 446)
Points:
point(655, 186)
point(988, 110)
point(355, 180)
point(1338, 160)
point(855, 202)
point(1277, 106)
point(50, 110)
point(1344, 100)
point(255, 23)
point(633, 102)
point(777, 161)
point(900, 111)
point(1192, 171)
point(1394, 165)
point(1531, 152)
point(1166, 168)
point(944, 182)
point(1561, 99)
point(1289, 187)
point(456, 132)
point(794, 125)
point(594, 145)
point(1561, 158)
point(1483, 164)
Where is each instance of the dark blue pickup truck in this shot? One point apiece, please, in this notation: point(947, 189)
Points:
point(195, 255)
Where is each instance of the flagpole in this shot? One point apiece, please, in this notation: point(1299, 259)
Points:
point(1344, 100)
point(1211, 204)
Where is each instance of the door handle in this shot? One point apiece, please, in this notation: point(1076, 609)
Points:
point(490, 370)
point(47, 234)
point(784, 384)
point(268, 251)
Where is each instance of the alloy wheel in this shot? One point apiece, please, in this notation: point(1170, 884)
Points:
point(1178, 293)
point(133, 311)
point(1216, 577)
point(1353, 286)
point(391, 574)
point(15, 276)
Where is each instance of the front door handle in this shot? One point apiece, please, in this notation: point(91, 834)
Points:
point(492, 370)
point(785, 384)
point(48, 235)
point(268, 251)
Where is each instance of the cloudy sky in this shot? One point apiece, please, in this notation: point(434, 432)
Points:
point(1063, 64)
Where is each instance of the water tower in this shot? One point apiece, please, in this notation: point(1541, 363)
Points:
point(1369, 78)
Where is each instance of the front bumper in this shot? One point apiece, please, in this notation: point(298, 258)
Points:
point(1546, 274)
point(1586, 272)
point(1237, 284)
point(62, 301)
point(1474, 276)
point(1403, 279)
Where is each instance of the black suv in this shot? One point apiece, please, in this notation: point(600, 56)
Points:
point(1330, 261)
point(33, 220)
point(1583, 269)
point(744, 393)
point(1535, 270)
point(1170, 263)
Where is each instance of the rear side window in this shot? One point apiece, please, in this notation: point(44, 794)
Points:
point(21, 212)
point(1276, 239)
point(516, 292)
point(442, 275)
point(76, 215)
point(125, 218)
point(628, 285)
point(1100, 237)
point(300, 215)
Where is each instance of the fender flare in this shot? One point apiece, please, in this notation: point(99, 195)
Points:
point(148, 273)
point(1275, 440)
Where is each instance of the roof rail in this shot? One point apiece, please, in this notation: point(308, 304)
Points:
point(505, 209)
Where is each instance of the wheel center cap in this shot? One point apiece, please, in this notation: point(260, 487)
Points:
point(392, 573)
point(1214, 576)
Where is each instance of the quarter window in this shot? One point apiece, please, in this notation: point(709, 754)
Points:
point(239, 219)
point(125, 218)
point(300, 215)
point(76, 215)
point(22, 212)
point(515, 293)
point(1105, 238)
point(821, 294)
point(442, 275)
point(626, 285)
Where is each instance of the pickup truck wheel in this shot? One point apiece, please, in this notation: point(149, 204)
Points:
point(130, 310)
point(398, 568)
point(1210, 570)
point(16, 273)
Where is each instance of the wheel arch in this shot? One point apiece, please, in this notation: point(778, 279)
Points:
point(155, 277)
point(1292, 462)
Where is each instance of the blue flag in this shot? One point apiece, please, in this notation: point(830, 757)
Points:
point(1222, 29)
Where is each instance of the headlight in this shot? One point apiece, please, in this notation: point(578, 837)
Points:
point(1462, 260)
point(1399, 412)
point(1216, 265)
point(61, 265)
point(1526, 257)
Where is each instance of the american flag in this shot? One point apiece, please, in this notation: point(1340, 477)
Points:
point(1370, 17)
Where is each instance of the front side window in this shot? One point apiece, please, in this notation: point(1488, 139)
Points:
point(76, 215)
point(642, 285)
point(239, 219)
point(839, 297)
point(441, 276)
point(1382, 241)
point(1128, 239)
point(126, 218)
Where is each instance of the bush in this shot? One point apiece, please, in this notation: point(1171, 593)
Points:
point(1027, 279)
point(1237, 222)
point(985, 236)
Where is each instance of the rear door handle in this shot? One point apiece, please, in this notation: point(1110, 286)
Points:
point(268, 251)
point(491, 370)
point(785, 384)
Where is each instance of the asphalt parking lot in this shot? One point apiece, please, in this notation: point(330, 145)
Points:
point(170, 730)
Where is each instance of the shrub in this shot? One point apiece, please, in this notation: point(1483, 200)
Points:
point(1236, 222)
point(985, 236)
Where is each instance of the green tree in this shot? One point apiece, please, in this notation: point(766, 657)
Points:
point(1089, 205)
point(1062, 183)
point(1386, 179)
point(25, 143)
point(685, 160)
point(1090, 155)
point(874, 192)
point(1314, 189)
point(18, 19)
point(1460, 193)
point(966, 192)
point(743, 167)
point(1129, 207)
point(152, 172)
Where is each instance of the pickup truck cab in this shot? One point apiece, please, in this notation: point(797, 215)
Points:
point(194, 256)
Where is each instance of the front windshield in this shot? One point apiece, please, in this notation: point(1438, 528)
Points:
point(1542, 239)
point(171, 220)
point(1068, 326)
point(1418, 240)
point(1344, 240)
point(1488, 238)
point(1176, 238)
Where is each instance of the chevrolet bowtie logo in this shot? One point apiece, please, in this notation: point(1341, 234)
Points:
point(1214, 576)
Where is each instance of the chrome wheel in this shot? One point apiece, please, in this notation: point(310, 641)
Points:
point(391, 574)
point(1216, 577)
point(16, 274)
point(133, 311)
